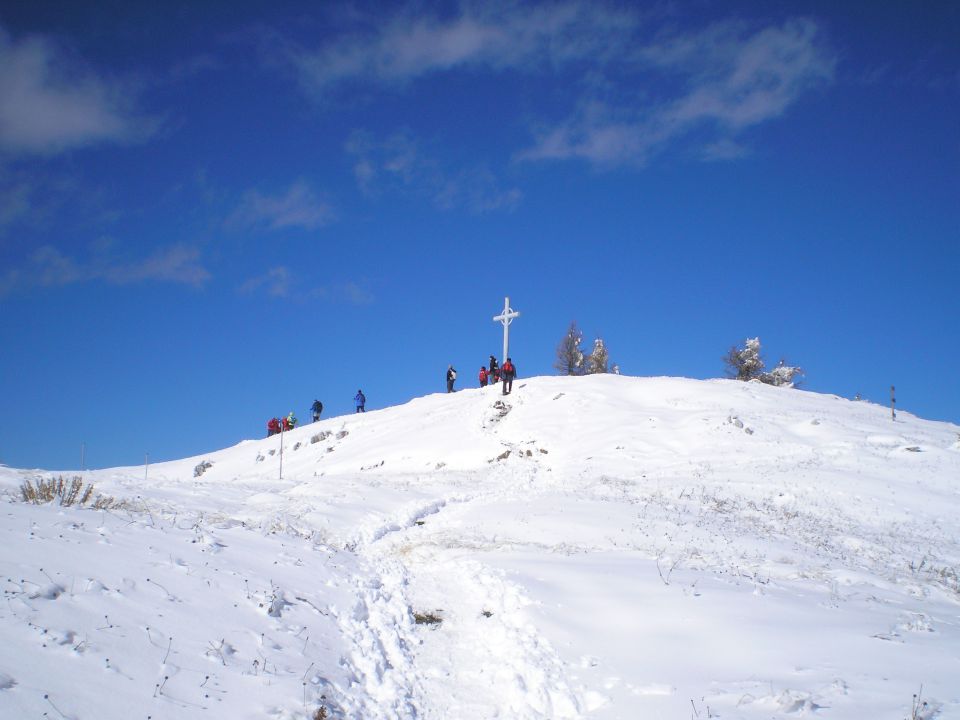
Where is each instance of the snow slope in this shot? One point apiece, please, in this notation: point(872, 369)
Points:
point(601, 547)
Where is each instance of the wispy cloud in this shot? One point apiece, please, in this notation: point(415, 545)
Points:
point(401, 163)
point(48, 266)
point(350, 292)
point(493, 35)
point(732, 79)
point(275, 282)
point(298, 207)
point(631, 88)
point(281, 282)
point(51, 101)
point(724, 149)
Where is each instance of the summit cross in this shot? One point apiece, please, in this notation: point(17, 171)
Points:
point(506, 317)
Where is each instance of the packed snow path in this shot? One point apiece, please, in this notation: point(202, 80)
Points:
point(600, 547)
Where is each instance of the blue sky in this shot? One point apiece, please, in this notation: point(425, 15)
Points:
point(213, 213)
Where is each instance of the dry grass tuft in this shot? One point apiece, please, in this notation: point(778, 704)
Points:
point(64, 492)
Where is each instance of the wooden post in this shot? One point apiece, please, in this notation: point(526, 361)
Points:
point(893, 402)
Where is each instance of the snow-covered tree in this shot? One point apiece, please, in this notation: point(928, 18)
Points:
point(745, 363)
point(782, 375)
point(599, 359)
point(570, 353)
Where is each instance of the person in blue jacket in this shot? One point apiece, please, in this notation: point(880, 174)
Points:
point(360, 400)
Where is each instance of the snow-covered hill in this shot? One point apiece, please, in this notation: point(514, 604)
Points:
point(601, 547)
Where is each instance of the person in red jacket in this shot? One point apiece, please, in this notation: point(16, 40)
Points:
point(508, 372)
point(273, 426)
point(483, 376)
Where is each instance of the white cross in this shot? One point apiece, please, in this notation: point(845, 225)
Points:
point(506, 317)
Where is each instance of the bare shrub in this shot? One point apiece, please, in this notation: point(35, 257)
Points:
point(65, 492)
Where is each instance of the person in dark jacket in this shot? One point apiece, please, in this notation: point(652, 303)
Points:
point(494, 374)
point(360, 399)
point(483, 376)
point(317, 408)
point(451, 377)
point(508, 373)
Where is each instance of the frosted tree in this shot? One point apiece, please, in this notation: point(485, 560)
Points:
point(782, 375)
point(570, 353)
point(599, 359)
point(745, 363)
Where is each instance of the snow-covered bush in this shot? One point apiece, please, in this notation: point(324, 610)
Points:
point(781, 376)
point(746, 363)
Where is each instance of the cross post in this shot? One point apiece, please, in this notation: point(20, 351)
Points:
point(506, 317)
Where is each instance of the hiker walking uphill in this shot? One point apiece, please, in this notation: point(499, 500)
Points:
point(289, 422)
point(316, 408)
point(451, 377)
point(494, 373)
point(508, 373)
point(360, 399)
point(273, 427)
point(483, 376)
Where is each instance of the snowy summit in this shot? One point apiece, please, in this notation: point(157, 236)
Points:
point(586, 547)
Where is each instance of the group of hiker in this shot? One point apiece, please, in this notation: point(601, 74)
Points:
point(491, 375)
point(275, 426)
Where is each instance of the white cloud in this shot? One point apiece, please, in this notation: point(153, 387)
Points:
point(724, 149)
point(298, 207)
point(401, 163)
point(731, 80)
point(276, 283)
point(634, 89)
point(48, 266)
point(352, 293)
point(50, 101)
point(493, 35)
point(176, 264)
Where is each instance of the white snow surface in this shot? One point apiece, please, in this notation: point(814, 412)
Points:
point(599, 547)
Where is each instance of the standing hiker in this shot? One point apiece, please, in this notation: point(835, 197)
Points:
point(317, 408)
point(508, 373)
point(360, 399)
point(451, 377)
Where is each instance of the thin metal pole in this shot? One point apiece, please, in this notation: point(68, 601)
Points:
point(281, 450)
